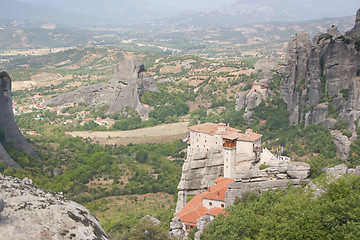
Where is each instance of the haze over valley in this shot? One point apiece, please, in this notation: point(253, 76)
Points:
point(154, 119)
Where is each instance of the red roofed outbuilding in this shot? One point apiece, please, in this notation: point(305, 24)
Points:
point(211, 202)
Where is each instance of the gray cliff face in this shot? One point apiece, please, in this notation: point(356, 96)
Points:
point(31, 213)
point(8, 124)
point(322, 73)
point(277, 174)
point(355, 32)
point(198, 173)
point(298, 51)
point(252, 98)
point(123, 90)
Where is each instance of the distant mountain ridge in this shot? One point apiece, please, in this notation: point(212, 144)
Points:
point(258, 11)
point(123, 12)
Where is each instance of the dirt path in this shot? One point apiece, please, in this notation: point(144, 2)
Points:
point(159, 134)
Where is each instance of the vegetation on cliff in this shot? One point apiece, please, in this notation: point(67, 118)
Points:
point(293, 213)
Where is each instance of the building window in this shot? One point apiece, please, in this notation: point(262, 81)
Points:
point(222, 205)
point(210, 203)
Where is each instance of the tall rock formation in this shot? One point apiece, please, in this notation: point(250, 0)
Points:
point(264, 68)
point(8, 124)
point(129, 82)
point(31, 213)
point(324, 75)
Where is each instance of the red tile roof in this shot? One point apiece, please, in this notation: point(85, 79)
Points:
point(194, 209)
point(229, 133)
point(215, 211)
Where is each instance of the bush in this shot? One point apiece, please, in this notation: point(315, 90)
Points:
point(294, 213)
point(263, 166)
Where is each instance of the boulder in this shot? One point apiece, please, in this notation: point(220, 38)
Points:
point(319, 113)
point(152, 219)
point(27, 181)
point(336, 171)
point(56, 172)
point(330, 123)
point(200, 225)
point(240, 101)
point(33, 213)
point(298, 170)
point(177, 228)
point(342, 143)
point(333, 31)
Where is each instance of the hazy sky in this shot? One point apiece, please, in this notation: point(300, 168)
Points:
point(344, 7)
point(186, 5)
point(131, 11)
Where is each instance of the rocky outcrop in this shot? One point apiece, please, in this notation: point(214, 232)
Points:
point(342, 143)
point(265, 68)
point(321, 74)
point(200, 225)
point(333, 173)
point(152, 219)
point(198, 173)
point(277, 174)
point(177, 228)
point(259, 92)
point(355, 32)
point(8, 125)
point(31, 213)
point(129, 82)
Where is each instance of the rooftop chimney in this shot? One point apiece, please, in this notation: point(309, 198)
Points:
point(248, 131)
point(221, 127)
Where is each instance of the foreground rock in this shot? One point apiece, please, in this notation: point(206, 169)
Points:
point(31, 213)
point(129, 82)
point(8, 126)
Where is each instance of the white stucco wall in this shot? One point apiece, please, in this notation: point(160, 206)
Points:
point(265, 156)
point(215, 203)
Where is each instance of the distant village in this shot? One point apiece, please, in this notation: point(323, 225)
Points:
point(39, 108)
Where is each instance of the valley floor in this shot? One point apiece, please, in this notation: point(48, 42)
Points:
point(158, 134)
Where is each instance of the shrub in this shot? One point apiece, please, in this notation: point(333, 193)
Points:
point(263, 166)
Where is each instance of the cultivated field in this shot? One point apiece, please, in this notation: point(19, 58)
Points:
point(159, 134)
